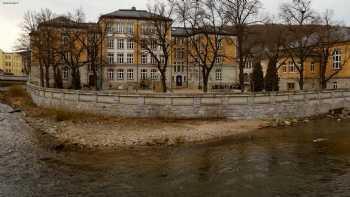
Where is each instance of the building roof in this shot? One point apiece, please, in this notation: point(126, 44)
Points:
point(182, 31)
point(179, 31)
point(63, 21)
point(133, 13)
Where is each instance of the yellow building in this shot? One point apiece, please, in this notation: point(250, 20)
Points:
point(11, 63)
point(337, 70)
point(186, 70)
point(55, 43)
point(129, 64)
point(126, 63)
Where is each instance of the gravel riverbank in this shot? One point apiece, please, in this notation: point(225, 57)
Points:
point(119, 133)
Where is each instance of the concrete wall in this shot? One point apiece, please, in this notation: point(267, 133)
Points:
point(234, 106)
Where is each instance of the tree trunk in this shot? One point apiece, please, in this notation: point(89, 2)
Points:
point(76, 84)
point(42, 83)
point(241, 58)
point(58, 78)
point(241, 77)
point(205, 80)
point(47, 76)
point(94, 76)
point(323, 68)
point(301, 79)
point(163, 79)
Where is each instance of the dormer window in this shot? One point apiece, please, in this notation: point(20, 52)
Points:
point(337, 59)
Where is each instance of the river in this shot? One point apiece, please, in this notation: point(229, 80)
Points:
point(271, 163)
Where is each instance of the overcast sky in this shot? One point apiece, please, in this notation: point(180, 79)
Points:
point(11, 14)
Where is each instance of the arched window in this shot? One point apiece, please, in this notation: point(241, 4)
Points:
point(337, 59)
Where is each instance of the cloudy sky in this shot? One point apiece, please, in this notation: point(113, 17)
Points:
point(11, 11)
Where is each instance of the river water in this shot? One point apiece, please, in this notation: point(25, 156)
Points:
point(271, 162)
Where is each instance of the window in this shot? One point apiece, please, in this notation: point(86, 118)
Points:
point(110, 74)
point(65, 73)
point(147, 29)
point(120, 28)
point(154, 44)
point(162, 59)
point(180, 53)
point(143, 74)
point(120, 43)
point(154, 60)
point(291, 67)
point(218, 74)
point(130, 44)
point(219, 42)
point(109, 28)
point(110, 58)
point(120, 74)
point(120, 58)
point(144, 59)
point(154, 74)
point(110, 43)
point(179, 67)
point(130, 74)
point(129, 28)
point(130, 58)
point(337, 59)
point(312, 67)
point(65, 38)
point(284, 68)
point(335, 85)
point(179, 41)
point(219, 60)
point(291, 86)
point(249, 64)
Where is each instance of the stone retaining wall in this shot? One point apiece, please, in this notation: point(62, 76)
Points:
point(235, 106)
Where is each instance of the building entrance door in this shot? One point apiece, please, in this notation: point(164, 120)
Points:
point(179, 80)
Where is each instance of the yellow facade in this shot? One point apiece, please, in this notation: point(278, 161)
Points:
point(11, 63)
point(136, 35)
point(337, 70)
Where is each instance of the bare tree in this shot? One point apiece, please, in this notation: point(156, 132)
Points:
point(96, 35)
point(241, 14)
point(204, 22)
point(31, 21)
point(39, 42)
point(303, 29)
point(156, 39)
point(272, 39)
point(73, 50)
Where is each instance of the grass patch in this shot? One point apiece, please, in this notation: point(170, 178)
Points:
point(17, 97)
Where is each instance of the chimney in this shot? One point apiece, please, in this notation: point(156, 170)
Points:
point(133, 8)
